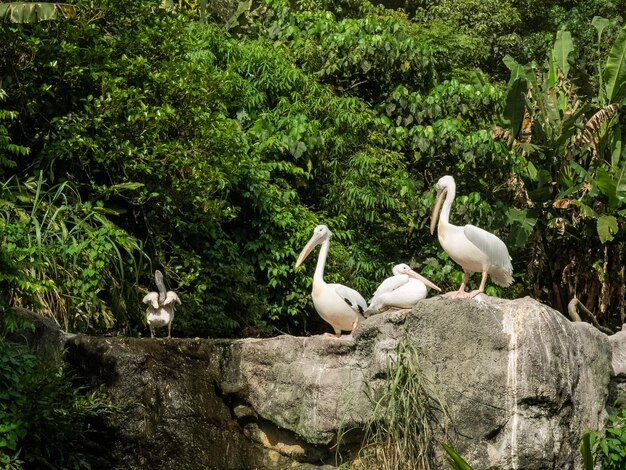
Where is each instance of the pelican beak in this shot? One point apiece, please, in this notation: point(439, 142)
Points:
point(312, 243)
point(426, 282)
point(435, 215)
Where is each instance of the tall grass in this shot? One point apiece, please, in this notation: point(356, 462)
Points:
point(406, 414)
point(67, 260)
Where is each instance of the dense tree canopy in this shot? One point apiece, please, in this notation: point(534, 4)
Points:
point(135, 137)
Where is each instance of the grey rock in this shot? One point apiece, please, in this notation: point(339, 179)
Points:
point(45, 339)
point(520, 382)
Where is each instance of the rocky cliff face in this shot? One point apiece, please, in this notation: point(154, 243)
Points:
point(520, 382)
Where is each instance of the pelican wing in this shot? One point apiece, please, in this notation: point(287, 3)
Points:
point(390, 284)
point(351, 297)
point(491, 245)
point(152, 298)
point(171, 297)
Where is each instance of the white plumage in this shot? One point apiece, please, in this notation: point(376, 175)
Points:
point(161, 305)
point(340, 306)
point(475, 249)
point(402, 290)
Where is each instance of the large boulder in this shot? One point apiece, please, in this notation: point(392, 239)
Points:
point(43, 337)
point(520, 382)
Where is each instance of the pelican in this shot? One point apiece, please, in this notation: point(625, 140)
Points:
point(402, 290)
point(338, 305)
point(475, 249)
point(161, 305)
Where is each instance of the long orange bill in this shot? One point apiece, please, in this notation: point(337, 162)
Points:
point(435, 215)
point(426, 282)
point(312, 243)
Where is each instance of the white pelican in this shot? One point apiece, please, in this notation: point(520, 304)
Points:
point(475, 249)
point(338, 305)
point(402, 290)
point(161, 305)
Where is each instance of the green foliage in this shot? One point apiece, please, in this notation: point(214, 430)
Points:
point(63, 252)
point(577, 18)
point(487, 24)
point(219, 148)
point(569, 156)
point(43, 417)
point(221, 153)
point(400, 432)
point(7, 149)
point(449, 121)
point(608, 447)
point(349, 51)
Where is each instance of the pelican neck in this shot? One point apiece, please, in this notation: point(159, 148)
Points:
point(160, 286)
point(321, 261)
point(447, 204)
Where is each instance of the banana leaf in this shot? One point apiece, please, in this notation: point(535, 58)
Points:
point(26, 12)
point(563, 46)
point(615, 70)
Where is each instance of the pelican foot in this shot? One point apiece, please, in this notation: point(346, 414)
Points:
point(457, 294)
point(330, 335)
point(474, 293)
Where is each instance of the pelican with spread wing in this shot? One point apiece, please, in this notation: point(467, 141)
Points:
point(475, 249)
point(402, 290)
point(337, 304)
point(161, 306)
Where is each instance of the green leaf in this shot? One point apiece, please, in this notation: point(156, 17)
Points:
point(600, 24)
point(620, 185)
point(455, 460)
point(585, 450)
point(607, 227)
point(522, 224)
point(563, 46)
point(615, 70)
point(607, 185)
point(517, 70)
point(515, 105)
point(297, 149)
point(552, 70)
point(616, 146)
point(585, 210)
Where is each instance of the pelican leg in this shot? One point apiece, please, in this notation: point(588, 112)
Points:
point(466, 276)
point(459, 294)
point(151, 331)
point(169, 330)
point(481, 289)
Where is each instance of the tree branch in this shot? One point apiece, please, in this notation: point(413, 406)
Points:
point(573, 313)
